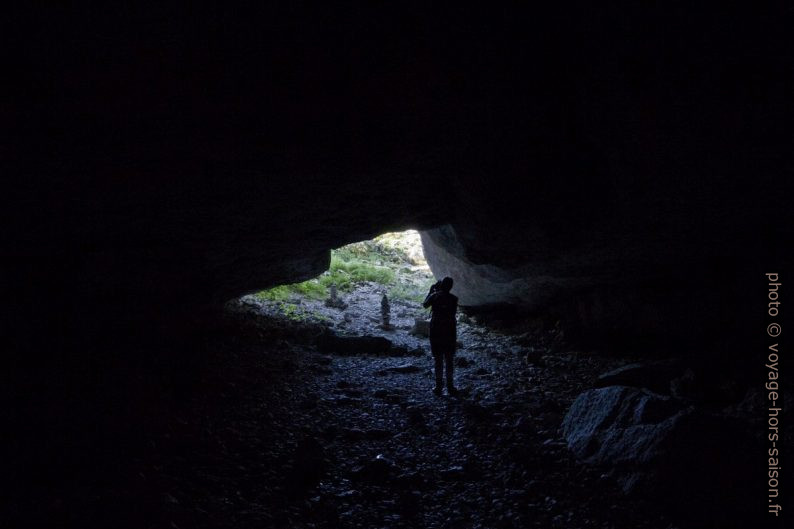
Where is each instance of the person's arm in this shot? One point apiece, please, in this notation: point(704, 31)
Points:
point(430, 295)
point(429, 299)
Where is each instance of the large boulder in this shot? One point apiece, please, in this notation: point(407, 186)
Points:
point(697, 462)
point(619, 425)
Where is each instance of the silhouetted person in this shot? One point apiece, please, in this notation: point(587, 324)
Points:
point(443, 334)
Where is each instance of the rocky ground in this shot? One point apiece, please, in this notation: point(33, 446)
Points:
point(300, 438)
point(260, 425)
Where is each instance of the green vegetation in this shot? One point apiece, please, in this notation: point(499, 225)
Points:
point(310, 289)
point(385, 260)
point(408, 292)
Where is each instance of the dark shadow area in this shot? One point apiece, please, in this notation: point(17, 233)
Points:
point(252, 422)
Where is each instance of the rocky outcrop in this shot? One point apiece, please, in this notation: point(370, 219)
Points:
point(621, 426)
point(655, 445)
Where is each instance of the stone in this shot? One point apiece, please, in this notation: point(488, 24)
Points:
point(399, 350)
point(376, 470)
point(524, 425)
point(385, 312)
point(333, 300)
point(421, 328)
point(657, 446)
point(348, 494)
point(341, 401)
point(606, 414)
point(463, 362)
point(401, 369)
point(454, 472)
point(535, 356)
point(378, 434)
point(411, 481)
point(415, 415)
point(352, 434)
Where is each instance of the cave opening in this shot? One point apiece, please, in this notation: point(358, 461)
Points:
point(357, 436)
point(375, 285)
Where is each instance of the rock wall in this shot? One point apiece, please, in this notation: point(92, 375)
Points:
point(576, 154)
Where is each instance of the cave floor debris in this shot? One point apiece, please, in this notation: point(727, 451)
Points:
point(271, 432)
point(306, 439)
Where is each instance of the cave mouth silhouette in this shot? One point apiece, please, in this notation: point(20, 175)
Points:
point(391, 264)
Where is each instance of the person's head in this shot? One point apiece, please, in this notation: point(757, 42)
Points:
point(446, 284)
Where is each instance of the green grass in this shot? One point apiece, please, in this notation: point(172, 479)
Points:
point(359, 270)
point(406, 293)
point(380, 260)
point(279, 293)
point(345, 272)
point(310, 289)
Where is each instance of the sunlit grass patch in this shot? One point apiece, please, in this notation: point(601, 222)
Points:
point(386, 260)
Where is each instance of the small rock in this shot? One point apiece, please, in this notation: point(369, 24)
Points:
point(352, 434)
point(410, 481)
point(401, 369)
point(348, 494)
point(421, 328)
point(415, 415)
point(342, 401)
point(376, 470)
point(452, 473)
point(462, 361)
point(534, 356)
point(523, 425)
point(378, 434)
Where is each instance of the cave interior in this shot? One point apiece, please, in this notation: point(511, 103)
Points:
point(607, 185)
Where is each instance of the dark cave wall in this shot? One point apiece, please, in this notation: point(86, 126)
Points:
point(169, 163)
